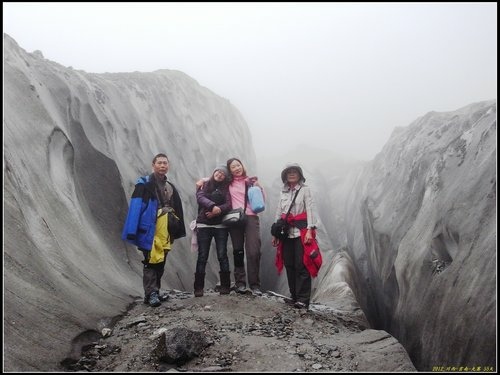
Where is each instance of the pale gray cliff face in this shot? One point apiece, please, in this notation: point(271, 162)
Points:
point(74, 145)
point(421, 232)
point(76, 142)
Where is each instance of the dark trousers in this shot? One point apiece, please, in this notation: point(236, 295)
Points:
point(204, 236)
point(151, 275)
point(299, 279)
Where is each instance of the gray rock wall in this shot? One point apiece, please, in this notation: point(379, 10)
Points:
point(74, 144)
point(416, 225)
point(422, 235)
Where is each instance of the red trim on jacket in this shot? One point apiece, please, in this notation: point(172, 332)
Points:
point(312, 264)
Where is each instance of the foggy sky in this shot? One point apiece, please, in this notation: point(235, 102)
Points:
point(340, 76)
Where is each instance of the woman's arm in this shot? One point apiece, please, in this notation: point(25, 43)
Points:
point(203, 200)
point(201, 182)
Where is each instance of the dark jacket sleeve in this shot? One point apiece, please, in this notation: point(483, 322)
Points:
point(177, 206)
point(203, 200)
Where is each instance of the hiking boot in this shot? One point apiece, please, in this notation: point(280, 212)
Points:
point(300, 305)
point(256, 292)
point(241, 289)
point(162, 297)
point(154, 299)
point(199, 284)
point(225, 283)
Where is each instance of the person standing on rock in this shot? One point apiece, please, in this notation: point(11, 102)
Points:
point(298, 250)
point(154, 220)
point(214, 201)
point(245, 238)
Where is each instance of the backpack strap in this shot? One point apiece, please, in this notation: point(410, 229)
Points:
point(293, 201)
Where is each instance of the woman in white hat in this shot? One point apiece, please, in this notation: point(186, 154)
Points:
point(298, 250)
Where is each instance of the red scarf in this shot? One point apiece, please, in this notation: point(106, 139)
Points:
point(312, 264)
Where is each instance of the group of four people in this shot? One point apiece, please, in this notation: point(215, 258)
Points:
point(155, 207)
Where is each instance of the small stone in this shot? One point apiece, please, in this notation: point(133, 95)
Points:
point(106, 332)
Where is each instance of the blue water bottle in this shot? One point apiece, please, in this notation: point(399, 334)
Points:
point(256, 199)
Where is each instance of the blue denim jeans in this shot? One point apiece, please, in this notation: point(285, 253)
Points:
point(205, 236)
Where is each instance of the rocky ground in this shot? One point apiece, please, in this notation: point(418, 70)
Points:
point(242, 333)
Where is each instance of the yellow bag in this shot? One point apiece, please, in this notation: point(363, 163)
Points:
point(161, 242)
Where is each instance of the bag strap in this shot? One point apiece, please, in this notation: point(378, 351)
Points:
point(163, 196)
point(293, 201)
point(159, 194)
point(246, 198)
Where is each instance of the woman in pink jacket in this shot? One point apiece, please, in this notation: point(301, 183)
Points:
point(245, 239)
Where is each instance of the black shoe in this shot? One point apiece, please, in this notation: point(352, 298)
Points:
point(154, 300)
point(300, 305)
point(289, 301)
point(162, 298)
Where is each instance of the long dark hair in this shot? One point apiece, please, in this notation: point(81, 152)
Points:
point(229, 161)
point(212, 184)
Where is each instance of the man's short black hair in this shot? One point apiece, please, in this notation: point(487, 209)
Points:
point(159, 156)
